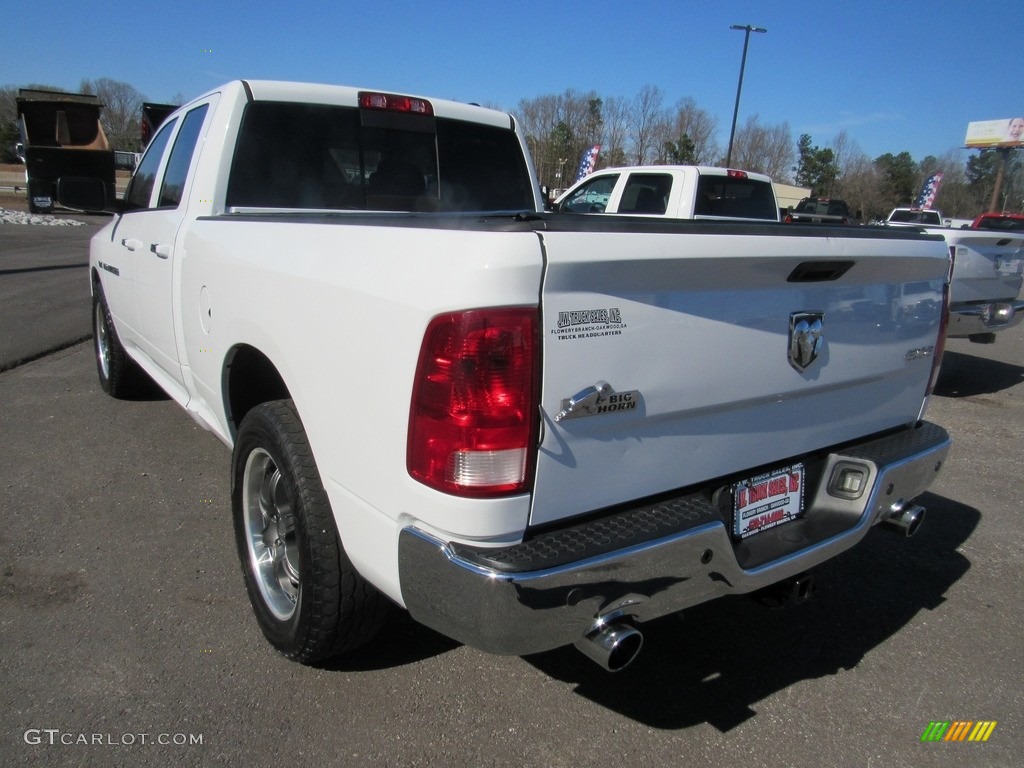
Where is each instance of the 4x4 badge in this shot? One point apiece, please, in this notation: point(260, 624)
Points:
point(806, 338)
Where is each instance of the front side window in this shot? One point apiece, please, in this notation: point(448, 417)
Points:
point(592, 196)
point(140, 188)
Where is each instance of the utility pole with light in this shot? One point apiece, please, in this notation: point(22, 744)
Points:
point(747, 29)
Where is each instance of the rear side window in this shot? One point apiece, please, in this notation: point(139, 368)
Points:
point(646, 193)
point(735, 198)
point(313, 156)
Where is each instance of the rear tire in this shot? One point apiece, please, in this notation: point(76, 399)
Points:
point(309, 600)
point(120, 376)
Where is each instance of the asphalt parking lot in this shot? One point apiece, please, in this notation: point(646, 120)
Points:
point(126, 637)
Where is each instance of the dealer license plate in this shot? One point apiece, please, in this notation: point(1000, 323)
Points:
point(768, 500)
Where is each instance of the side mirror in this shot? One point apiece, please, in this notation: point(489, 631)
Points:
point(85, 194)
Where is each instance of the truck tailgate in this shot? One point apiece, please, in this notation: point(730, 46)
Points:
point(668, 361)
point(986, 265)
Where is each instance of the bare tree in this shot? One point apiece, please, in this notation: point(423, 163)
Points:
point(559, 128)
point(859, 184)
point(955, 198)
point(616, 130)
point(646, 116)
point(697, 125)
point(539, 118)
point(121, 112)
point(765, 149)
point(844, 150)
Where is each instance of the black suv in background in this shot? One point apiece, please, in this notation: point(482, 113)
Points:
point(820, 210)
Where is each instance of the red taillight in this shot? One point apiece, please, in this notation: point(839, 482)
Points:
point(392, 103)
point(736, 174)
point(474, 419)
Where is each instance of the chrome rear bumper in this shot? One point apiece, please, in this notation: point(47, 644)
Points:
point(984, 317)
point(651, 560)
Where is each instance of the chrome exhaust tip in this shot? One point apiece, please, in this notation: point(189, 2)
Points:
point(905, 518)
point(612, 646)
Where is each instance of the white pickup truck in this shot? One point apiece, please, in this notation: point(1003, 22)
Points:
point(675, 192)
point(528, 429)
point(915, 217)
point(988, 271)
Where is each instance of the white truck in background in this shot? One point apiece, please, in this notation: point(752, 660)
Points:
point(988, 271)
point(673, 192)
point(528, 429)
point(915, 217)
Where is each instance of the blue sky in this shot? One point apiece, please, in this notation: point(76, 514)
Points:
point(896, 76)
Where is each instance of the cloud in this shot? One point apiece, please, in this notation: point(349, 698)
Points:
point(849, 120)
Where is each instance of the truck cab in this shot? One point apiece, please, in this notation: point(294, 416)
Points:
point(674, 192)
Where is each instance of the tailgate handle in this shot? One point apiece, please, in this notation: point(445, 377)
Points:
point(819, 271)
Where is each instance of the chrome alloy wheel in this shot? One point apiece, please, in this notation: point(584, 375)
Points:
point(270, 533)
point(102, 339)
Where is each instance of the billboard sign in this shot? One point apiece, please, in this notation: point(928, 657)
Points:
point(995, 133)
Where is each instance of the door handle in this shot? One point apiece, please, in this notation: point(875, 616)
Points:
point(131, 243)
point(163, 251)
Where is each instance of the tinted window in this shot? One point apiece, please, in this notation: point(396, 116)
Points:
point(646, 193)
point(916, 217)
point(181, 158)
point(482, 168)
point(140, 188)
point(996, 222)
point(591, 196)
point(735, 198)
point(317, 156)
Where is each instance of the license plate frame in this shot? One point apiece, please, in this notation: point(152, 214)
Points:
point(768, 500)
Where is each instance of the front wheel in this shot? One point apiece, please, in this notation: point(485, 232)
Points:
point(120, 376)
point(308, 598)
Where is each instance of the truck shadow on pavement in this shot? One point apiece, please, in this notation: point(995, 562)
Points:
point(964, 375)
point(716, 661)
point(402, 641)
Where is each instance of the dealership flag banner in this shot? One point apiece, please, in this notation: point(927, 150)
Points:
point(587, 162)
point(928, 192)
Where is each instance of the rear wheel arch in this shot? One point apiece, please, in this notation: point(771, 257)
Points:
point(250, 378)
